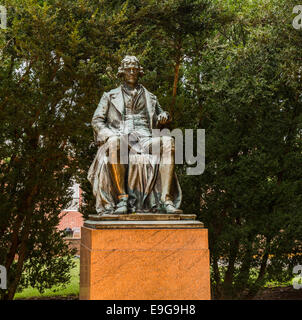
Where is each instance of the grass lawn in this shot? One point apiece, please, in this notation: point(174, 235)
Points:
point(72, 288)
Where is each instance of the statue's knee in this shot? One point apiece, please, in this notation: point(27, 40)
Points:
point(168, 143)
point(114, 140)
point(113, 146)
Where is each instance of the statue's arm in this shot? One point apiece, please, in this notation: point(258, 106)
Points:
point(99, 121)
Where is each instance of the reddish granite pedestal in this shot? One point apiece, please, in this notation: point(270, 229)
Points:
point(144, 260)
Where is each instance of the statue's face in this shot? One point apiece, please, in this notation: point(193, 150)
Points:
point(131, 73)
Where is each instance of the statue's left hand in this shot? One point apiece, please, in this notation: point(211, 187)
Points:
point(163, 118)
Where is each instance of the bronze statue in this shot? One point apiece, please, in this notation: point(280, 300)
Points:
point(125, 117)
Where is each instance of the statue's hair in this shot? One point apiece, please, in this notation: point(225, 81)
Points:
point(128, 59)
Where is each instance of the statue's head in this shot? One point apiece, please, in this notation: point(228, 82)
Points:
point(130, 70)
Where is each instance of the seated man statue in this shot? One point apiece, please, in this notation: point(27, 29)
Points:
point(126, 116)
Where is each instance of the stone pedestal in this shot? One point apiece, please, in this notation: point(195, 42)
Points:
point(144, 257)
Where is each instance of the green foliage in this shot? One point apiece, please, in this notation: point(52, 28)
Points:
point(66, 290)
point(40, 72)
point(251, 110)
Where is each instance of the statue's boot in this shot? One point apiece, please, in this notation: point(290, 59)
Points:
point(170, 208)
point(122, 206)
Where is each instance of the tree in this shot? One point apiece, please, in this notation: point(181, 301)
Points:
point(251, 189)
point(48, 81)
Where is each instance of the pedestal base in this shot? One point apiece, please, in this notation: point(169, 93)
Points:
point(156, 262)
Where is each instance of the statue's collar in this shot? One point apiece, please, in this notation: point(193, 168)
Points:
point(128, 90)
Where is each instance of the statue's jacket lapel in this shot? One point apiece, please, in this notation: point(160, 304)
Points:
point(117, 100)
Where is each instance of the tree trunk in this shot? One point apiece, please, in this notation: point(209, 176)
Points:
point(176, 76)
point(229, 275)
point(217, 278)
point(22, 254)
point(174, 93)
point(28, 211)
point(254, 289)
point(244, 274)
point(14, 243)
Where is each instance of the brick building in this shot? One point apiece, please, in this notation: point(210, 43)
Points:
point(71, 219)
